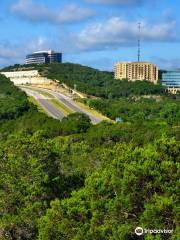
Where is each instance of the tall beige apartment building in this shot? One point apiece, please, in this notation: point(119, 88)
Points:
point(133, 71)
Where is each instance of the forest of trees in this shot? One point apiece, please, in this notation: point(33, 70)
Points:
point(129, 109)
point(70, 179)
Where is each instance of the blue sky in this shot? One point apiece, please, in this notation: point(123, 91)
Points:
point(96, 33)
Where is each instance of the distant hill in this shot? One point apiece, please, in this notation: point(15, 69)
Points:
point(92, 81)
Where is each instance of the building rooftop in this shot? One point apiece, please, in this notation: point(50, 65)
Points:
point(48, 51)
point(136, 62)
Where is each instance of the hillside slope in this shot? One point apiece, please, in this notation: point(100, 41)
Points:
point(92, 81)
point(71, 180)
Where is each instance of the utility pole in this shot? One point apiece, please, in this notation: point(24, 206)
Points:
point(139, 41)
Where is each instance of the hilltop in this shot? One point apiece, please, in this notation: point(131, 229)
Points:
point(92, 81)
point(131, 101)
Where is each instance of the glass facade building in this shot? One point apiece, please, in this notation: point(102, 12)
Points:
point(44, 57)
point(171, 79)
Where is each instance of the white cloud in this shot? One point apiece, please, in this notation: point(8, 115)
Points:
point(115, 33)
point(9, 53)
point(122, 2)
point(16, 53)
point(38, 12)
point(7, 50)
point(116, 1)
point(167, 63)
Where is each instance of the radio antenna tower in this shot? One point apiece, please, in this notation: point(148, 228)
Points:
point(139, 41)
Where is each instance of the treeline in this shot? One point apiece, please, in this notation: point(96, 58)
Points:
point(165, 109)
point(19, 67)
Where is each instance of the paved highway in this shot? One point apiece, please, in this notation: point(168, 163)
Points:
point(67, 101)
point(63, 99)
point(45, 103)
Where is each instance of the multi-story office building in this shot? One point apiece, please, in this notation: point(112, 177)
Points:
point(171, 79)
point(133, 71)
point(44, 57)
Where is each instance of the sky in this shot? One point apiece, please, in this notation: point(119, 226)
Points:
point(96, 33)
